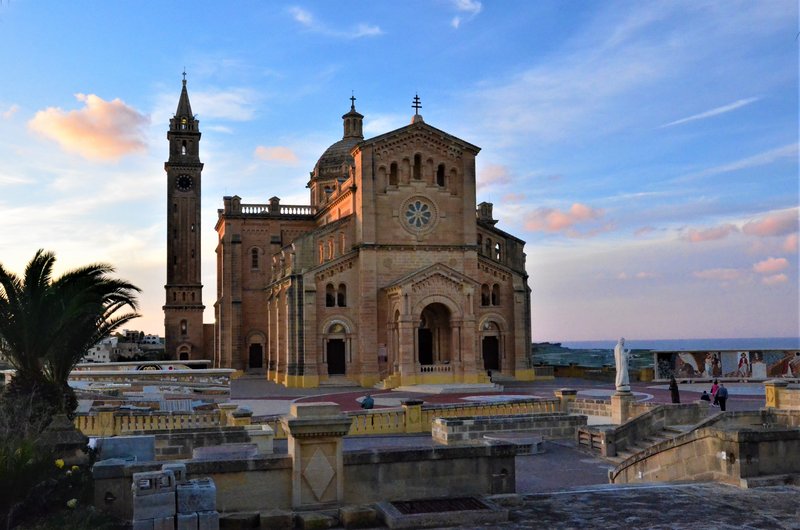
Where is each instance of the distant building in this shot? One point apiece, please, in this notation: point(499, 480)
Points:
point(102, 351)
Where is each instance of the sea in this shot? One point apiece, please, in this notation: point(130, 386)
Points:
point(596, 353)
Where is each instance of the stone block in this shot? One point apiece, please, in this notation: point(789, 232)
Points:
point(262, 436)
point(276, 520)
point(164, 523)
point(145, 524)
point(239, 521)
point(225, 451)
point(314, 410)
point(141, 448)
point(358, 517)
point(315, 521)
point(179, 470)
point(153, 495)
point(186, 521)
point(207, 521)
point(197, 495)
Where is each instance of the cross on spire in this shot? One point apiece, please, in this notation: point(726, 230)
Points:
point(417, 105)
point(352, 101)
point(184, 76)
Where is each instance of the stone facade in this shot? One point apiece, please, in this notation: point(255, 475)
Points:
point(391, 273)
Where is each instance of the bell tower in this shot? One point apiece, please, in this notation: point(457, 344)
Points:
point(183, 309)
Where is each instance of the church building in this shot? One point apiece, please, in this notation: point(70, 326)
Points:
point(391, 274)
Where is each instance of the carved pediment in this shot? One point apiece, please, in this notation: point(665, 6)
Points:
point(436, 278)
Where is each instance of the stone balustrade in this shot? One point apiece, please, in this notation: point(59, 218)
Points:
point(435, 368)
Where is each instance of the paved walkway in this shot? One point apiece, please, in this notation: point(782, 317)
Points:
point(267, 398)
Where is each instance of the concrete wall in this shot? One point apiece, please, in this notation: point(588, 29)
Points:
point(265, 482)
point(174, 445)
point(591, 407)
point(451, 431)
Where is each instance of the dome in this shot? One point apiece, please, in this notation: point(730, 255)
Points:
point(336, 157)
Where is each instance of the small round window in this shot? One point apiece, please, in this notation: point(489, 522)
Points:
point(418, 214)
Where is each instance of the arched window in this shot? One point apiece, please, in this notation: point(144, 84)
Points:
point(393, 174)
point(495, 294)
point(484, 294)
point(254, 258)
point(330, 248)
point(488, 247)
point(330, 296)
point(440, 175)
point(417, 167)
point(321, 253)
point(343, 243)
point(183, 147)
point(184, 327)
point(480, 243)
point(497, 252)
point(341, 295)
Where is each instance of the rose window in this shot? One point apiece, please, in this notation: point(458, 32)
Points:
point(418, 214)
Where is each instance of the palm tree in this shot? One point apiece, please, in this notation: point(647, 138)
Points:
point(47, 325)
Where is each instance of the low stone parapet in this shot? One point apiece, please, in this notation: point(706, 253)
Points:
point(471, 430)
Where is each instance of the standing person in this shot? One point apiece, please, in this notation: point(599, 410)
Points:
point(673, 390)
point(722, 396)
point(714, 390)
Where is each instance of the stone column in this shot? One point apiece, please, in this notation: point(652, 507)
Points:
point(620, 406)
point(412, 415)
point(567, 397)
point(315, 432)
point(773, 391)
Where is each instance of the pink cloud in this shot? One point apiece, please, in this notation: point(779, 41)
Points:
point(514, 198)
point(718, 274)
point(494, 175)
point(778, 224)
point(771, 265)
point(790, 245)
point(646, 275)
point(643, 231)
point(551, 220)
point(10, 111)
point(276, 153)
point(775, 279)
point(101, 130)
point(710, 234)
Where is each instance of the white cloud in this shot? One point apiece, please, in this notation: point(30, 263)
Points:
point(467, 9)
point(307, 20)
point(493, 175)
point(10, 111)
point(761, 159)
point(235, 104)
point(713, 112)
point(719, 274)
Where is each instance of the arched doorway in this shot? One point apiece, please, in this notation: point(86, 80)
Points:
point(184, 356)
point(491, 353)
point(490, 346)
point(433, 335)
point(256, 357)
point(335, 349)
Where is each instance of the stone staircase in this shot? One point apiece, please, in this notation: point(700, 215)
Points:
point(666, 433)
point(393, 381)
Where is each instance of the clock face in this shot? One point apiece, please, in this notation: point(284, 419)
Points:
point(184, 182)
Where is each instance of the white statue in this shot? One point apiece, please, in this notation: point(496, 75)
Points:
point(621, 359)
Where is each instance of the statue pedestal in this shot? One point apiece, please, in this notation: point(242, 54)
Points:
point(620, 406)
point(315, 432)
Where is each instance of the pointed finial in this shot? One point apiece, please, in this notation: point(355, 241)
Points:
point(417, 105)
point(352, 100)
point(184, 75)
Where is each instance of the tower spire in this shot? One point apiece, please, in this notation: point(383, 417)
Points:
point(184, 120)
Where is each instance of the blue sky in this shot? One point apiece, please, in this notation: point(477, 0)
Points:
point(646, 151)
